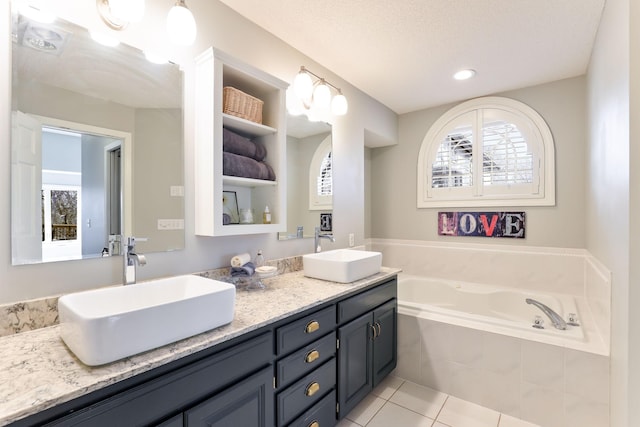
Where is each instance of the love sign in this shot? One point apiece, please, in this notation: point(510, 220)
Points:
point(482, 224)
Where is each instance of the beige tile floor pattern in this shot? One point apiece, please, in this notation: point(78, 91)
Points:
point(400, 403)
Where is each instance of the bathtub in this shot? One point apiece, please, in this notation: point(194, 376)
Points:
point(485, 307)
point(476, 342)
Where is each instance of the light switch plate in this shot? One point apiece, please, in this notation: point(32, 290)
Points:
point(170, 224)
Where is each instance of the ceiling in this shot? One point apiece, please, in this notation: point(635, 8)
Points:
point(64, 56)
point(403, 53)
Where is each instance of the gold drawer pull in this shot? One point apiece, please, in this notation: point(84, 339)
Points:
point(312, 389)
point(312, 326)
point(312, 356)
point(314, 424)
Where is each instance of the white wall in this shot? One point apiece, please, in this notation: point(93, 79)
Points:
point(394, 174)
point(229, 32)
point(608, 213)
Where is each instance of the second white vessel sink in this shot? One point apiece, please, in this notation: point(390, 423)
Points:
point(104, 325)
point(342, 265)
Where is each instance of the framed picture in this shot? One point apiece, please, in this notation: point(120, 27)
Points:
point(230, 207)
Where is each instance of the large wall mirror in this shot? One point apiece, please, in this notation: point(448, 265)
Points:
point(96, 146)
point(309, 178)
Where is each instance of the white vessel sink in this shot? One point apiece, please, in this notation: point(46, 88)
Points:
point(342, 265)
point(104, 325)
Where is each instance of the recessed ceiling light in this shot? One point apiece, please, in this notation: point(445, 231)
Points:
point(464, 74)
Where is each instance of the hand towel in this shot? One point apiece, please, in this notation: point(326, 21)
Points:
point(238, 144)
point(240, 260)
point(245, 271)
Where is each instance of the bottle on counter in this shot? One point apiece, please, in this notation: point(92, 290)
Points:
point(266, 215)
point(259, 260)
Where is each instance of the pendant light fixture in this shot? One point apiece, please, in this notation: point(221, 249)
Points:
point(181, 25)
point(315, 98)
point(118, 14)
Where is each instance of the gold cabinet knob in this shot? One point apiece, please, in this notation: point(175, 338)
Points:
point(312, 326)
point(312, 389)
point(312, 356)
point(314, 424)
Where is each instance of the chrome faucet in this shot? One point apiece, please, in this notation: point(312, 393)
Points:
point(131, 259)
point(558, 322)
point(317, 236)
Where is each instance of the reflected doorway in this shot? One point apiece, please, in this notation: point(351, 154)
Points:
point(82, 196)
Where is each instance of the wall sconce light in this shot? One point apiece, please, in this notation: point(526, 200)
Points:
point(181, 25)
point(315, 98)
point(118, 14)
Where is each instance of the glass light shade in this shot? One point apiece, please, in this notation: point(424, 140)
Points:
point(339, 105)
point(294, 104)
point(127, 10)
point(322, 97)
point(303, 85)
point(181, 26)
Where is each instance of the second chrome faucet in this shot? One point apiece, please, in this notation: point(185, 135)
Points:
point(317, 236)
point(131, 260)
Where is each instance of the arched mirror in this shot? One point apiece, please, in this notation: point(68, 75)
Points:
point(309, 177)
point(96, 146)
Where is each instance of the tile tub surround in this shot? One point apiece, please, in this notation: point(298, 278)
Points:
point(544, 384)
point(37, 371)
point(43, 312)
point(552, 270)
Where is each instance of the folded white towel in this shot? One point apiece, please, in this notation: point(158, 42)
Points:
point(240, 260)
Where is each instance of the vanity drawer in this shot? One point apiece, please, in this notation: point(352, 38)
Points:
point(322, 414)
point(305, 359)
point(305, 392)
point(303, 331)
point(355, 306)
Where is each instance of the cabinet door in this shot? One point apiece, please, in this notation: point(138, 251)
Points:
point(354, 362)
point(248, 403)
point(173, 422)
point(385, 351)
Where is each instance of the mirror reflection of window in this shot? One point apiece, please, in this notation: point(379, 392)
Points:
point(325, 178)
point(321, 177)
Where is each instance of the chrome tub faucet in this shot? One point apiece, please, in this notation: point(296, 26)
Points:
point(558, 322)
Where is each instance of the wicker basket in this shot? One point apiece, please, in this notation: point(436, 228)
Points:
point(239, 104)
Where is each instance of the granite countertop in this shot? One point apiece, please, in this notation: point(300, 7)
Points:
point(37, 371)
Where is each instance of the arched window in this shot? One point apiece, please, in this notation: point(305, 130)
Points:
point(321, 177)
point(489, 151)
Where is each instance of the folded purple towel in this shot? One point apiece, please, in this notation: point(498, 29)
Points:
point(246, 270)
point(235, 165)
point(238, 144)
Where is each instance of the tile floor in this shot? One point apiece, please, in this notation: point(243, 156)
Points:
point(400, 403)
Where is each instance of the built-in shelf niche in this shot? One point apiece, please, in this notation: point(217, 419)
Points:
point(214, 71)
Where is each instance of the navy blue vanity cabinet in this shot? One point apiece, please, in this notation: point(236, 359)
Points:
point(233, 384)
point(306, 367)
point(367, 337)
point(248, 403)
point(305, 370)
